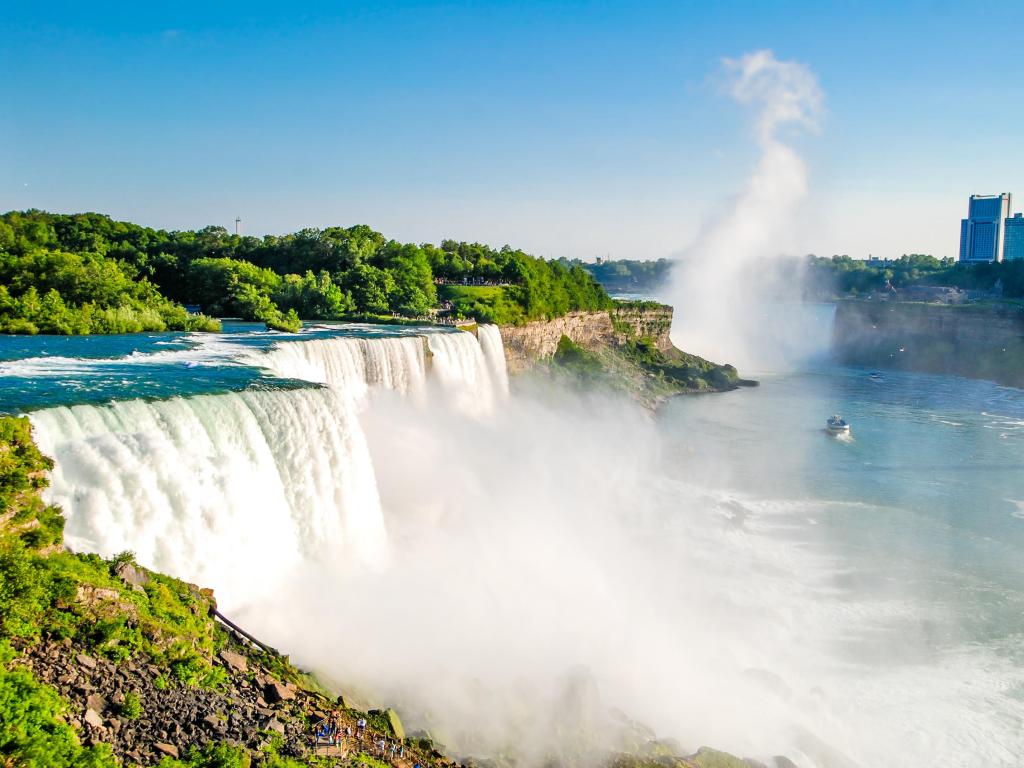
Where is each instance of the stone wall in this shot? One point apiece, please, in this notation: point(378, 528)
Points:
point(526, 344)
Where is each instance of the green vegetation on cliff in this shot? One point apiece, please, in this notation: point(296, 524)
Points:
point(638, 367)
point(85, 273)
point(841, 275)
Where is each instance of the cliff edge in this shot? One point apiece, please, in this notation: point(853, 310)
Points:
point(978, 341)
point(626, 348)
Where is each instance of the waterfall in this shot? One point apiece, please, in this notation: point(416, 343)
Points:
point(466, 370)
point(494, 353)
point(237, 490)
point(350, 364)
point(224, 489)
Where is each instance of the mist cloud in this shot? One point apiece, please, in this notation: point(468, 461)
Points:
point(727, 283)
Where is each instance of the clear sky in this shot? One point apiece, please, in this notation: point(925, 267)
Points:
point(574, 129)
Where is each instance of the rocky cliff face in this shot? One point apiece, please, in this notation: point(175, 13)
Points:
point(976, 341)
point(526, 344)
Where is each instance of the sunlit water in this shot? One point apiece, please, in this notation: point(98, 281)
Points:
point(921, 509)
point(846, 601)
point(42, 371)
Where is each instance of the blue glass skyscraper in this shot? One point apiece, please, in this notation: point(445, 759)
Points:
point(982, 232)
point(1014, 247)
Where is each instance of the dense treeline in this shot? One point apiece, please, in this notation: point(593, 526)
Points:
point(101, 275)
point(627, 274)
point(825, 277)
point(51, 290)
point(843, 275)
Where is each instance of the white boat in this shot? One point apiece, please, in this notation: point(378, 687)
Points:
point(837, 426)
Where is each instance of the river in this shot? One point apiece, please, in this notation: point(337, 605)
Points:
point(723, 571)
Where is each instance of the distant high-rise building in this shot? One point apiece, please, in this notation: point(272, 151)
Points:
point(1014, 247)
point(982, 232)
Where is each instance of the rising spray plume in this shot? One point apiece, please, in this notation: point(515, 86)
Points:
point(728, 287)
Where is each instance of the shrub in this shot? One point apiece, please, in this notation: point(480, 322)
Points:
point(131, 708)
point(32, 731)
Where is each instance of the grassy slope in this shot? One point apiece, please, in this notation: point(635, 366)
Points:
point(487, 303)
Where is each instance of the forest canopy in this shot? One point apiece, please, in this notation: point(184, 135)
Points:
point(86, 273)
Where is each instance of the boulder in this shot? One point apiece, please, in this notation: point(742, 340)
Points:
point(86, 661)
point(167, 749)
point(92, 717)
point(95, 701)
point(275, 725)
point(235, 660)
point(275, 692)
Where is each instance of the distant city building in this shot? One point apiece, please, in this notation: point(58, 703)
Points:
point(1014, 247)
point(982, 232)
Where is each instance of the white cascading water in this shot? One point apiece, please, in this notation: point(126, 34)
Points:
point(494, 353)
point(351, 365)
point(236, 490)
point(466, 371)
point(231, 490)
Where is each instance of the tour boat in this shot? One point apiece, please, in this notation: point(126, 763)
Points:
point(837, 426)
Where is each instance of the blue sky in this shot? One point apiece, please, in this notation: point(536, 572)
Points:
point(575, 129)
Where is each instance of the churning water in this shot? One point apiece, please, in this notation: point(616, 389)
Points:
point(508, 568)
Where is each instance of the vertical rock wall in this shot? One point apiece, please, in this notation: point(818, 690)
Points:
point(538, 340)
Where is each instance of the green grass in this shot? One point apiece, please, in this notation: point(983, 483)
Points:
point(33, 730)
point(131, 708)
point(484, 303)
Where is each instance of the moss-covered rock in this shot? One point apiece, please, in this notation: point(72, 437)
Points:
point(395, 722)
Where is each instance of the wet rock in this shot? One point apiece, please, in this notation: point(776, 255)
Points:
point(712, 758)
